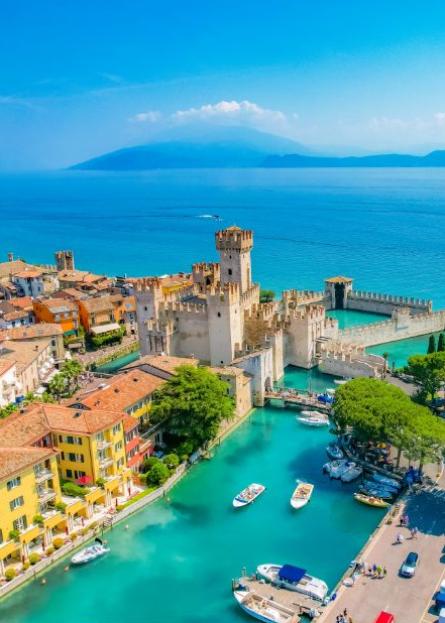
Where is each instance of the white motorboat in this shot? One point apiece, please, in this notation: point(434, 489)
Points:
point(336, 468)
point(88, 554)
point(313, 418)
point(294, 579)
point(352, 472)
point(330, 391)
point(302, 494)
point(340, 381)
point(313, 413)
point(263, 609)
point(334, 451)
point(248, 495)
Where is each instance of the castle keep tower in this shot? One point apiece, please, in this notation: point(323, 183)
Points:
point(337, 290)
point(234, 245)
point(64, 260)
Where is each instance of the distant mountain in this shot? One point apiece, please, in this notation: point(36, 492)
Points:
point(215, 147)
point(433, 159)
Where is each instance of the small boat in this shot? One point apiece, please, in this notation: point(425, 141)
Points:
point(352, 472)
point(302, 494)
point(248, 495)
point(380, 485)
point(376, 493)
point(371, 500)
point(308, 413)
point(386, 480)
point(336, 468)
point(263, 609)
point(294, 579)
point(340, 381)
point(88, 554)
point(334, 451)
point(330, 391)
point(313, 418)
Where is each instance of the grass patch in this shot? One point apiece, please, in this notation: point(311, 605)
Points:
point(137, 497)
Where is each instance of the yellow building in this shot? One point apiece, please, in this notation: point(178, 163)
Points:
point(42, 447)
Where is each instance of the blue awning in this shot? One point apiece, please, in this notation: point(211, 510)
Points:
point(289, 573)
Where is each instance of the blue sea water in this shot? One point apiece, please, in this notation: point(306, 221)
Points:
point(381, 227)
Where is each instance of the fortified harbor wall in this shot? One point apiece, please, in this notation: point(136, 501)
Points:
point(402, 325)
point(385, 303)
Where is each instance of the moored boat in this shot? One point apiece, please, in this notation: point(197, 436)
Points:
point(385, 480)
point(90, 553)
point(301, 495)
point(336, 468)
point(352, 472)
point(313, 418)
point(334, 451)
point(266, 610)
point(370, 500)
point(381, 485)
point(248, 495)
point(376, 492)
point(294, 579)
point(340, 381)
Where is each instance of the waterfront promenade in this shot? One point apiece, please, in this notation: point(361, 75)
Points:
point(409, 600)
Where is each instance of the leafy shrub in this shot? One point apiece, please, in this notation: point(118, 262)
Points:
point(150, 462)
point(10, 574)
point(70, 488)
point(73, 536)
point(34, 558)
point(100, 482)
point(185, 449)
point(58, 542)
point(26, 565)
point(49, 550)
point(171, 460)
point(158, 474)
point(38, 519)
point(14, 535)
point(60, 506)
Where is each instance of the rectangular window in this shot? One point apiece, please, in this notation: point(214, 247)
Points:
point(60, 439)
point(15, 482)
point(16, 502)
point(116, 429)
point(118, 446)
point(100, 437)
point(69, 473)
point(79, 474)
point(21, 523)
point(71, 456)
point(70, 439)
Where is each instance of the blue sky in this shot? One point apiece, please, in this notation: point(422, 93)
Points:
point(79, 78)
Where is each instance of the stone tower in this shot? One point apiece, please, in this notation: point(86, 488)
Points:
point(64, 260)
point(148, 294)
point(336, 292)
point(234, 245)
point(225, 323)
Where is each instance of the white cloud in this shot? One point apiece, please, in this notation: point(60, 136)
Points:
point(240, 111)
point(150, 116)
point(439, 118)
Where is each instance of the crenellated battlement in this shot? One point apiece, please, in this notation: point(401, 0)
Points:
point(234, 239)
point(390, 298)
point(145, 284)
point(177, 307)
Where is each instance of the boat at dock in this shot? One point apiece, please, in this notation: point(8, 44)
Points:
point(385, 480)
point(313, 418)
point(294, 579)
point(302, 494)
point(376, 492)
point(336, 468)
point(370, 500)
point(88, 554)
point(352, 472)
point(248, 495)
point(263, 609)
point(340, 381)
point(334, 451)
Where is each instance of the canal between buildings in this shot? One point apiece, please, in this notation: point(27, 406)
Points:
point(176, 560)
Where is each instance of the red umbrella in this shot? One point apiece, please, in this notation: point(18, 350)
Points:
point(84, 480)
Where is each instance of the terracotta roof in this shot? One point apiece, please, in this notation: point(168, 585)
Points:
point(97, 304)
point(23, 352)
point(122, 391)
point(338, 279)
point(5, 365)
point(11, 268)
point(71, 294)
point(42, 329)
point(14, 315)
point(21, 302)
point(28, 273)
point(57, 305)
point(15, 460)
point(130, 423)
point(79, 421)
point(166, 363)
point(23, 429)
point(82, 276)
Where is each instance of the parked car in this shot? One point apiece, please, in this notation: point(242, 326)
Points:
point(385, 617)
point(408, 569)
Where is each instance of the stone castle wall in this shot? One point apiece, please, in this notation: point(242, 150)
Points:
point(385, 303)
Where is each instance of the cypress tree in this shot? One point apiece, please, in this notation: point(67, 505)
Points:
point(431, 345)
point(441, 343)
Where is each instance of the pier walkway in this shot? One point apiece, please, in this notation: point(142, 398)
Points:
point(298, 399)
point(408, 599)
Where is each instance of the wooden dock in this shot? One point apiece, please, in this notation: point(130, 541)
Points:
point(290, 397)
point(297, 602)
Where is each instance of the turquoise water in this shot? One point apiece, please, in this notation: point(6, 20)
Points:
point(350, 318)
point(176, 560)
point(116, 364)
point(398, 352)
point(373, 225)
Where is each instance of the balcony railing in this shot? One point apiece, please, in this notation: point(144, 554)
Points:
point(42, 475)
point(103, 445)
point(45, 495)
point(105, 462)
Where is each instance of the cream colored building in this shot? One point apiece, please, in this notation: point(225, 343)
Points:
point(33, 360)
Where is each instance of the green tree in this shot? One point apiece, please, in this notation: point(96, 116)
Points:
point(267, 296)
point(441, 343)
point(171, 460)
point(71, 370)
point(431, 345)
point(193, 403)
point(429, 373)
point(58, 385)
point(158, 474)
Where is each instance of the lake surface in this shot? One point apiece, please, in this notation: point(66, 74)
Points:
point(381, 227)
point(176, 561)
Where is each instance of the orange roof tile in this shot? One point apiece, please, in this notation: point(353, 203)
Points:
point(15, 460)
point(130, 422)
point(166, 363)
point(338, 279)
point(32, 273)
point(43, 329)
point(122, 391)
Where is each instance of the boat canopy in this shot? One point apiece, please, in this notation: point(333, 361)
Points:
point(289, 573)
